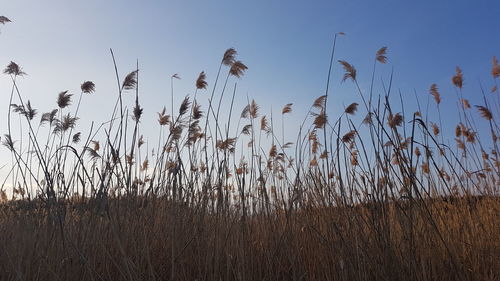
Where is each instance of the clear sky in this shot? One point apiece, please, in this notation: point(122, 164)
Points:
point(285, 44)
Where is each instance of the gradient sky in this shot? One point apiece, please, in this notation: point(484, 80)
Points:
point(285, 44)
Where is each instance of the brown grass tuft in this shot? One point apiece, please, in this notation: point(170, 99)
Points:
point(201, 83)
point(351, 109)
point(137, 112)
point(4, 20)
point(76, 137)
point(381, 55)
point(130, 81)
point(253, 109)
point(320, 120)
point(435, 93)
point(350, 71)
point(485, 112)
point(184, 106)
point(273, 151)
point(197, 112)
point(238, 69)
point(64, 99)
point(88, 87)
point(163, 118)
point(458, 78)
point(435, 128)
point(14, 69)
point(349, 137)
point(319, 103)
point(264, 126)
point(229, 57)
point(287, 108)
point(495, 69)
point(395, 120)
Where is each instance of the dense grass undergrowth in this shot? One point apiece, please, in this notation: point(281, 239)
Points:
point(384, 196)
point(135, 239)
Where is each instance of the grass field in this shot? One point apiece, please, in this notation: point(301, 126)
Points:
point(383, 197)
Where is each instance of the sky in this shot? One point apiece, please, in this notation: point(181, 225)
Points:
point(285, 44)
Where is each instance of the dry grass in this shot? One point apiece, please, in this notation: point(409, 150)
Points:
point(379, 198)
point(131, 239)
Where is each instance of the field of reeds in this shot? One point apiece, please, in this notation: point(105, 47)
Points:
point(376, 192)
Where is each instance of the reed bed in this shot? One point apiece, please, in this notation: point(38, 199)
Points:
point(373, 193)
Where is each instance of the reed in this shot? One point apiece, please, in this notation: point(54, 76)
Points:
point(381, 197)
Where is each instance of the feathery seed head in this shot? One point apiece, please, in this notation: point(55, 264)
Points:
point(64, 99)
point(349, 137)
point(351, 109)
point(14, 69)
point(229, 57)
point(381, 55)
point(435, 93)
point(319, 103)
point(238, 69)
point(495, 69)
point(130, 81)
point(163, 118)
point(4, 19)
point(485, 112)
point(76, 137)
point(350, 71)
point(395, 120)
point(287, 108)
point(88, 87)
point(458, 78)
point(200, 82)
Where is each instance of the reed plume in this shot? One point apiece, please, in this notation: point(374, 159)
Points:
point(395, 120)
point(88, 87)
point(137, 112)
point(253, 109)
point(229, 57)
point(435, 129)
point(287, 108)
point(4, 20)
point(435, 93)
point(64, 99)
point(238, 69)
point(349, 137)
point(246, 129)
point(67, 122)
point(351, 109)
point(320, 120)
point(163, 118)
point(28, 112)
point(76, 137)
point(485, 112)
point(458, 78)
point(319, 103)
point(14, 69)
point(350, 71)
point(130, 80)
point(381, 55)
point(495, 69)
point(49, 117)
point(197, 112)
point(201, 82)
point(184, 106)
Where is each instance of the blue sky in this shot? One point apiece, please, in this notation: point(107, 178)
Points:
point(285, 44)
